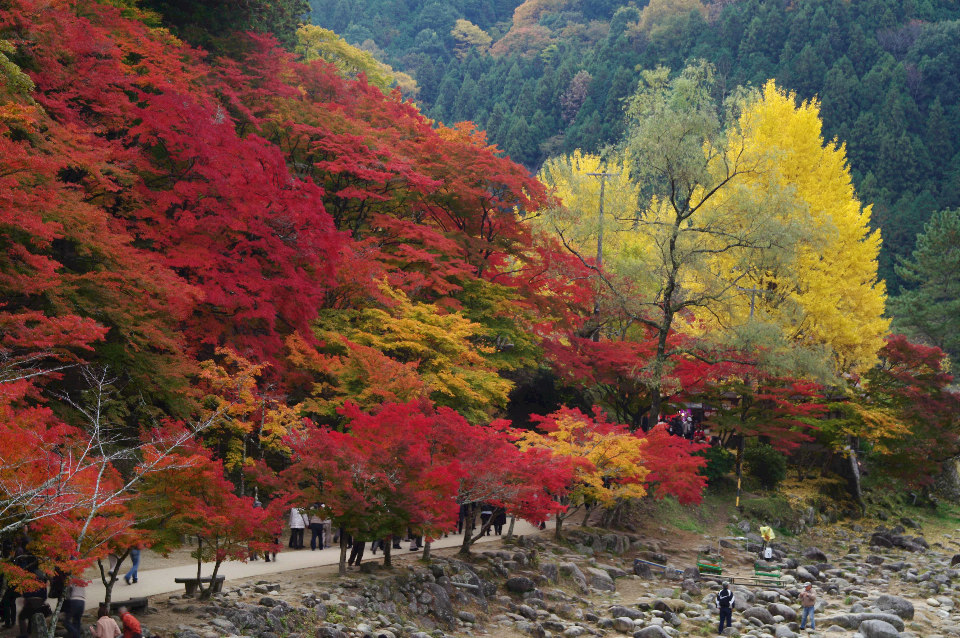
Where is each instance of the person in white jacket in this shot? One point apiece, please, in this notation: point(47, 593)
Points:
point(298, 522)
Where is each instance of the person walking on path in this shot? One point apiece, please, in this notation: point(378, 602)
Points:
point(297, 524)
point(105, 627)
point(73, 609)
point(131, 576)
point(356, 551)
point(726, 601)
point(131, 626)
point(316, 529)
point(808, 600)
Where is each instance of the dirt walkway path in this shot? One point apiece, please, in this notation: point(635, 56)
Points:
point(159, 578)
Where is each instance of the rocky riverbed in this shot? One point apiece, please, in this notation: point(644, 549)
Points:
point(875, 583)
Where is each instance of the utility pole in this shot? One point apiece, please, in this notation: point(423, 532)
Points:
point(603, 183)
point(753, 294)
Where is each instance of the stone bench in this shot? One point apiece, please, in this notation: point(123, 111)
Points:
point(191, 584)
point(133, 604)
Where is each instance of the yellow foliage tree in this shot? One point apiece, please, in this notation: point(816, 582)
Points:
point(826, 292)
point(659, 12)
point(252, 424)
point(608, 459)
point(400, 351)
point(469, 36)
point(315, 42)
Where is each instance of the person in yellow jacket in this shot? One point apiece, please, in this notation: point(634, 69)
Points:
point(766, 533)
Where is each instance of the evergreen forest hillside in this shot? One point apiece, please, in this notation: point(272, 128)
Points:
point(545, 77)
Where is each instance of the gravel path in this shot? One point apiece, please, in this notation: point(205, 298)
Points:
point(159, 578)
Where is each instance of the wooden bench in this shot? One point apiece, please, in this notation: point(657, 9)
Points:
point(766, 572)
point(709, 564)
point(133, 604)
point(191, 584)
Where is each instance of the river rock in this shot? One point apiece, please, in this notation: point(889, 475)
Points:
point(760, 614)
point(623, 624)
point(777, 609)
point(550, 571)
point(599, 579)
point(618, 611)
point(437, 601)
point(897, 605)
point(878, 629)
point(571, 570)
point(642, 570)
point(853, 621)
point(519, 585)
point(651, 632)
point(815, 554)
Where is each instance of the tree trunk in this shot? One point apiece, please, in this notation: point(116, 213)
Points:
point(51, 630)
point(469, 540)
point(426, 550)
point(109, 578)
point(199, 565)
point(513, 519)
point(855, 475)
point(388, 552)
point(343, 553)
point(469, 522)
point(559, 524)
point(205, 594)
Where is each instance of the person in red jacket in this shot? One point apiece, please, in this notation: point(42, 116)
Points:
point(131, 626)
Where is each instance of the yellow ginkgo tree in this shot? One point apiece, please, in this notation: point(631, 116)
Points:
point(824, 289)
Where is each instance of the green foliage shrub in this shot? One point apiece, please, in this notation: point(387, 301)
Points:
point(763, 462)
point(720, 462)
point(773, 510)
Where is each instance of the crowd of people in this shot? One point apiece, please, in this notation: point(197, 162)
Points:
point(689, 426)
point(324, 534)
point(20, 605)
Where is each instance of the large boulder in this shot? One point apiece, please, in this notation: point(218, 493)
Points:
point(550, 571)
point(691, 587)
point(437, 600)
point(778, 609)
point(618, 611)
point(520, 585)
point(573, 572)
point(623, 624)
point(760, 614)
point(652, 631)
point(896, 605)
point(853, 621)
point(642, 570)
point(599, 579)
point(878, 629)
point(815, 554)
point(613, 572)
point(805, 575)
point(881, 539)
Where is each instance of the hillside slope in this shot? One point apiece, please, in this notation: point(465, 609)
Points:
point(551, 77)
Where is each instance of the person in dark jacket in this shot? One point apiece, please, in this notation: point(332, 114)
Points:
point(726, 601)
point(499, 520)
point(356, 551)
